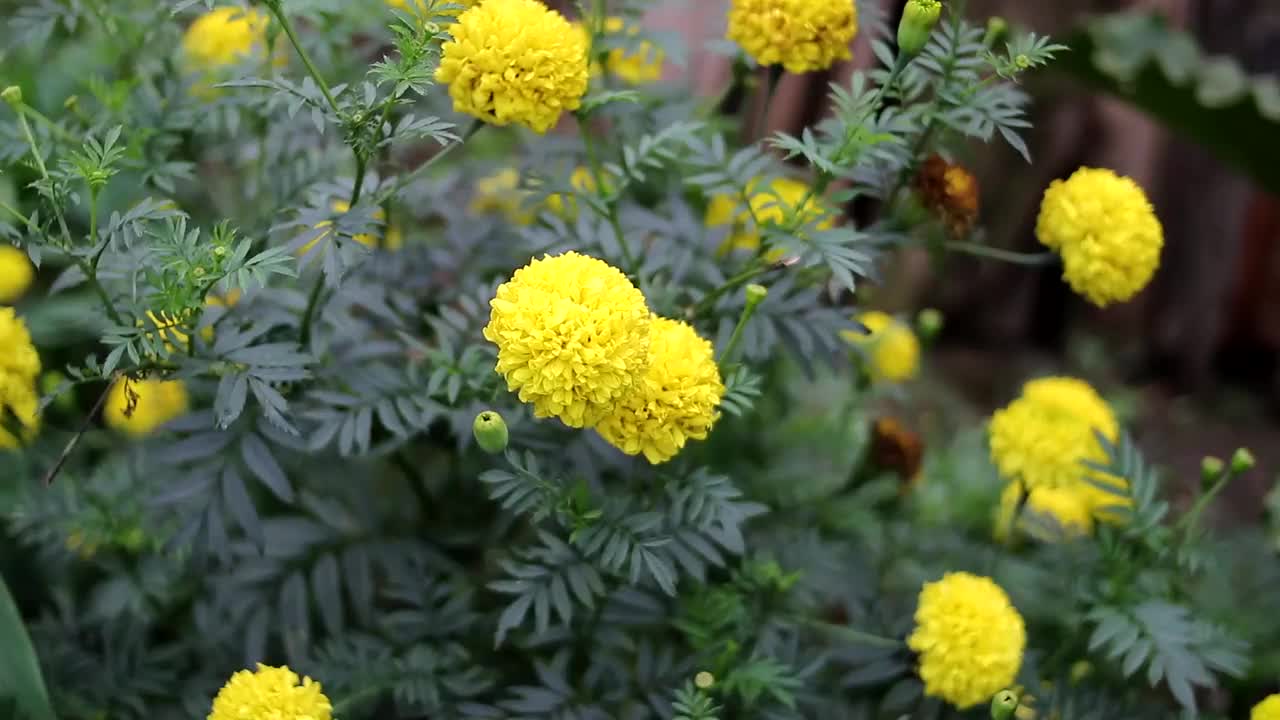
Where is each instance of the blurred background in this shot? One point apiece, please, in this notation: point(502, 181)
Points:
point(1181, 95)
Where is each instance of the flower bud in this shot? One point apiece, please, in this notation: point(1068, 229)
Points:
point(918, 19)
point(49, 383)
point(12, 95)
point(1242, 461)
point(1004, 705)
point(997, 30)
point(1210, 470)
point(756, 294)
point(490, 431)
point(704, 680)
point(929, 323)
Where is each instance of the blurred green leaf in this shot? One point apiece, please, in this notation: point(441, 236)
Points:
point(20, 678)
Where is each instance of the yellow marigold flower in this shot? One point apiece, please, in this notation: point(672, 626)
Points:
point(225, 300)
point(1106, 231)
point(18, 398)
point(394, 240)
point(584, 181)
point(637, 66)
point(19, 357)
point(969, 638)
point(514, 61)
point(676, 400)
point(892, 349)
point(16, 274)
point(270, 693)
point(138, 407)
point(1268, 709)
point(1069, 508)
point(774, 204)
point(225, 36)
point(572, 335)
point(800, 35)
point(501, 193)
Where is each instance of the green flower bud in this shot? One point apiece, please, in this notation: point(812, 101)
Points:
point(1003, 705)
point(756, 294)
point(490, 431)
point(12, 95)
point(51, 381)
point(1242, 461)
point(929, 323)
point(704, 680)
point(997, 30)
point(918, 19)
point(1210, 470)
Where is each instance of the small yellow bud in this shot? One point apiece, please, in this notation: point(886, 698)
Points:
point(12, 95)
point(71, 102)
point(1242, 461)
point(929, 323)
point(918, 19)
point(490, 431)
point(1004, 705)
point(704, 680)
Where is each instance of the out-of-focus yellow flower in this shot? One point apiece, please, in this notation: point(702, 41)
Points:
point(500, 193)
point(636, 66)
point(1106, 231)
point(18, 357)
point(16, 274)
point(675, 402)
point(800, 35)
point(394, 240)
point(167, 329)
point(223, 37)
point(773, 204)
point(270, 693)
point(572, 335)
point(582, 180)
point(18, 398)
point(138, 407)
point(224, 300)
point(892, 349)
point(1268, 709)
point(969, 639)
point(514, 61)
point(1070, 509)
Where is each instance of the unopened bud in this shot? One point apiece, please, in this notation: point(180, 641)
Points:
point(490, 431)
point(704, 680)
point(929, 323)
point(51, 382)
point(71, 102)
point(1242, 461)
point(1004, 705)
point(756, 294)
point(918, 19)
point(997, 30)
point(12, 95)
point(1210, 470)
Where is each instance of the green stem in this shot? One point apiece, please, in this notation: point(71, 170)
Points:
point(405, 180)
point(729, 285)
point(597, 172)
point(55, 128)
point(1189, 522)
point(1030, 259)
point(772, 79)
point(308, 315)
point(850, 635)
point(14, 212)
point(359, 183)
point(736, 338)
point(278, 11)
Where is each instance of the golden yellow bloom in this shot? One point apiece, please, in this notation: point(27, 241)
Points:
point(1069, 508)
point(514, 61)
point(16, 274)
point(800, 35)
point(676, 400)
point(1268, 709)
point(969, 638)
point(394, 241)
point(1106, 231)
point(951, 192)
point(225, 300)
point(775, 204)
point(18, 398)
point(500, 193)
point(582, 180)
point(638, 66)
point(270, 693)
point(18, 357)
point(138, 407)
point(225, 36)
point(892, 349)
point(572, 335)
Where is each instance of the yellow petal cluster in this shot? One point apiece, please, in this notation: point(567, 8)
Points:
point(138, 407)
point(500, 193)
point(270, 693)
point(584, 181)
point(1106, 231)
point(637, 66)
point(800, 35)
point(514, 61)
point(969, 639)
point(19, 370)
point(1268, 709)
point(1069, 510)
point(225, 36)
point(16, 274)
point(677, 399)
point(773, 204)
point(394, 239)
point(572, 334)
point(892, 351)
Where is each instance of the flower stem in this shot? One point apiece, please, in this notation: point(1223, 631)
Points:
point(597, 173)
point(278, 11)
point(742, 278)
point(1017, 258)
point(748, 311)
point(405, 180)
point(850, 635)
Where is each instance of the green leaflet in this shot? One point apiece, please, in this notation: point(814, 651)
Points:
point(20, 678)
point(1208, 100)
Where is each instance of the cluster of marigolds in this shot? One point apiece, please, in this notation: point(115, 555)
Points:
point(577, 341)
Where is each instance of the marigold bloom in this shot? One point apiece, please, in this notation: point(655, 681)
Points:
point(1069, 508)
point(16, 274)
point(774, 204)
point(514, 61)
point(572, 335)
point(500, 193)
point(584, 181)
point(1106, 231)
point(225, 36)
point(949, 191)
point(1268, 709)
point(969, 638)
point(800, 35)
point(270, 693)
point(138, 407)
point(892, 349)
point(394, 239)
point(18, 357)
point(637, 66)
point(18, 397)
point(675, 402)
